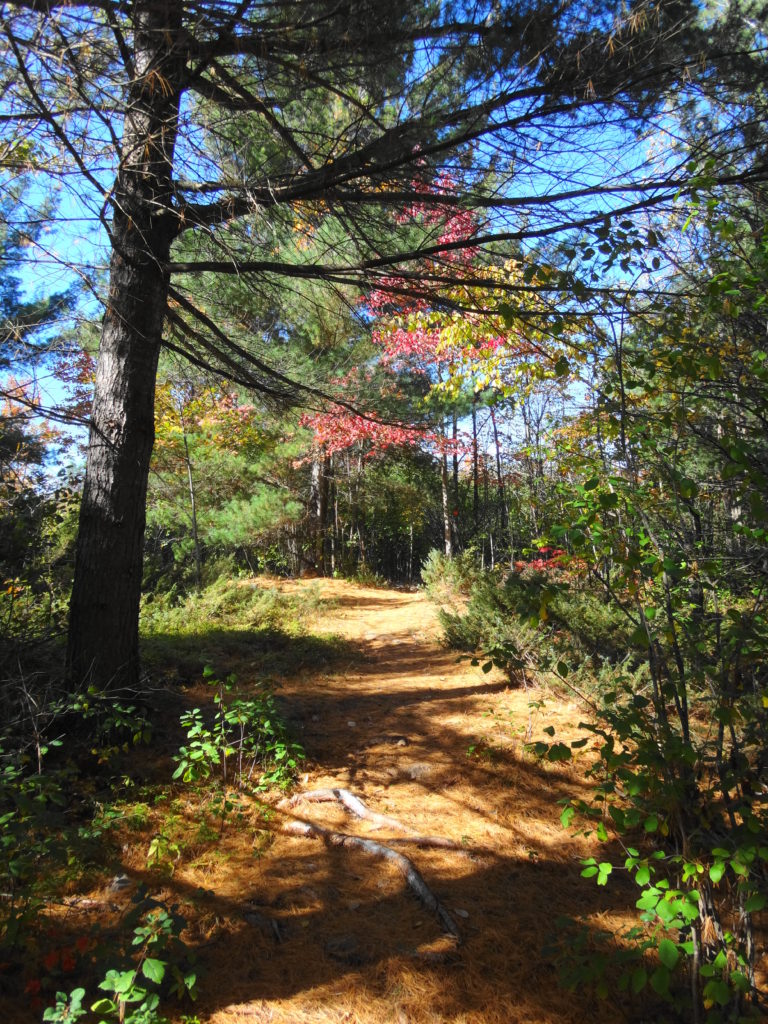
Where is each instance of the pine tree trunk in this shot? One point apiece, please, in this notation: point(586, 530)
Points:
point(104, 611)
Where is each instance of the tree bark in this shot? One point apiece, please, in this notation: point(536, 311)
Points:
point(475, 476)
point(104, 611)
point(504, 511)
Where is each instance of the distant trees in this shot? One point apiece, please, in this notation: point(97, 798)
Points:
point(213, 485)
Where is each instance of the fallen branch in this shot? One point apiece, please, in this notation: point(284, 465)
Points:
point(374, 849)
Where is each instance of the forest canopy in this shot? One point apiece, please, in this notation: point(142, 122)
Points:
point(204, 137)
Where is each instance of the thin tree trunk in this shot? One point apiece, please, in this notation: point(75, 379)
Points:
point(318, 510)
point(475, 481)
point(104, 631)
point(455, 468)
point(335, 505)
point(447, 531)
point(500, 476)
point(193, 507)
point(410, 552)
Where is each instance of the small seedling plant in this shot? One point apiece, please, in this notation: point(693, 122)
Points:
point(246, 734)
point(155, 964)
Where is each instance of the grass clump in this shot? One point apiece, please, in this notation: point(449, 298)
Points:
point(234, 603)
point(233, 625)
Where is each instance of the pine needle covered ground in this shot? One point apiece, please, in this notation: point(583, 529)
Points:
point(290, 923)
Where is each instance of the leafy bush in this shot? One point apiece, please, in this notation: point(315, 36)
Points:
point(680, 774)
point(535, 616)
point(246, 733)
point(155, 963)
point(492, 626)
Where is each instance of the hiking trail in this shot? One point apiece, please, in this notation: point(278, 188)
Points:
point(313, 928)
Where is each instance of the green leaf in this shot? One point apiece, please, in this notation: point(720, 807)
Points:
point(154, 970)
point(562, 367)
point(716, 871)
point(755, 902)
point(507, 313)
point(649, 900)
point(740, 981)
point(639, 980)
point(651, 823)
point(717, 991)
point(562, 669)
point(660, 981)
point(605, 869)
point(118, 981)
point(487, 667)
point(104, 1006)
point(559, 752)
point(669, 954)
point(609, 500)
point(643, 875)
point(567, 816)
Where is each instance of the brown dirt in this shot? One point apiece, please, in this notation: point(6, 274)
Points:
point(437, 744)
point(290, 930)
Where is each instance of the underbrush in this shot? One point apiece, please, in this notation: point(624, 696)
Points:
point(234, 603)
point(676, 709)
point(449, 581)
point(528, 619)
point(101, 790)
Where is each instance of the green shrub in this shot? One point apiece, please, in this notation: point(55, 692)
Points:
point(245, 734)
point(449, 580)
point(238, 604)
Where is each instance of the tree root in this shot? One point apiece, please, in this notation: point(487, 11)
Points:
point(374, 849)
point(355, 806)
point(349, 801)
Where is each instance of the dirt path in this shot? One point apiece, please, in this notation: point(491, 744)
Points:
point(300, 931)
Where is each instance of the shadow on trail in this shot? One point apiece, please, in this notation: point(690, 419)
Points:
point(377, 714)
point(364, 603)
point(328, 947)
point(345, 923)
point(257, 652)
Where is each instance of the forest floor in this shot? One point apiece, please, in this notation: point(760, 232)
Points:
point(294, 928)
point(438, 745)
